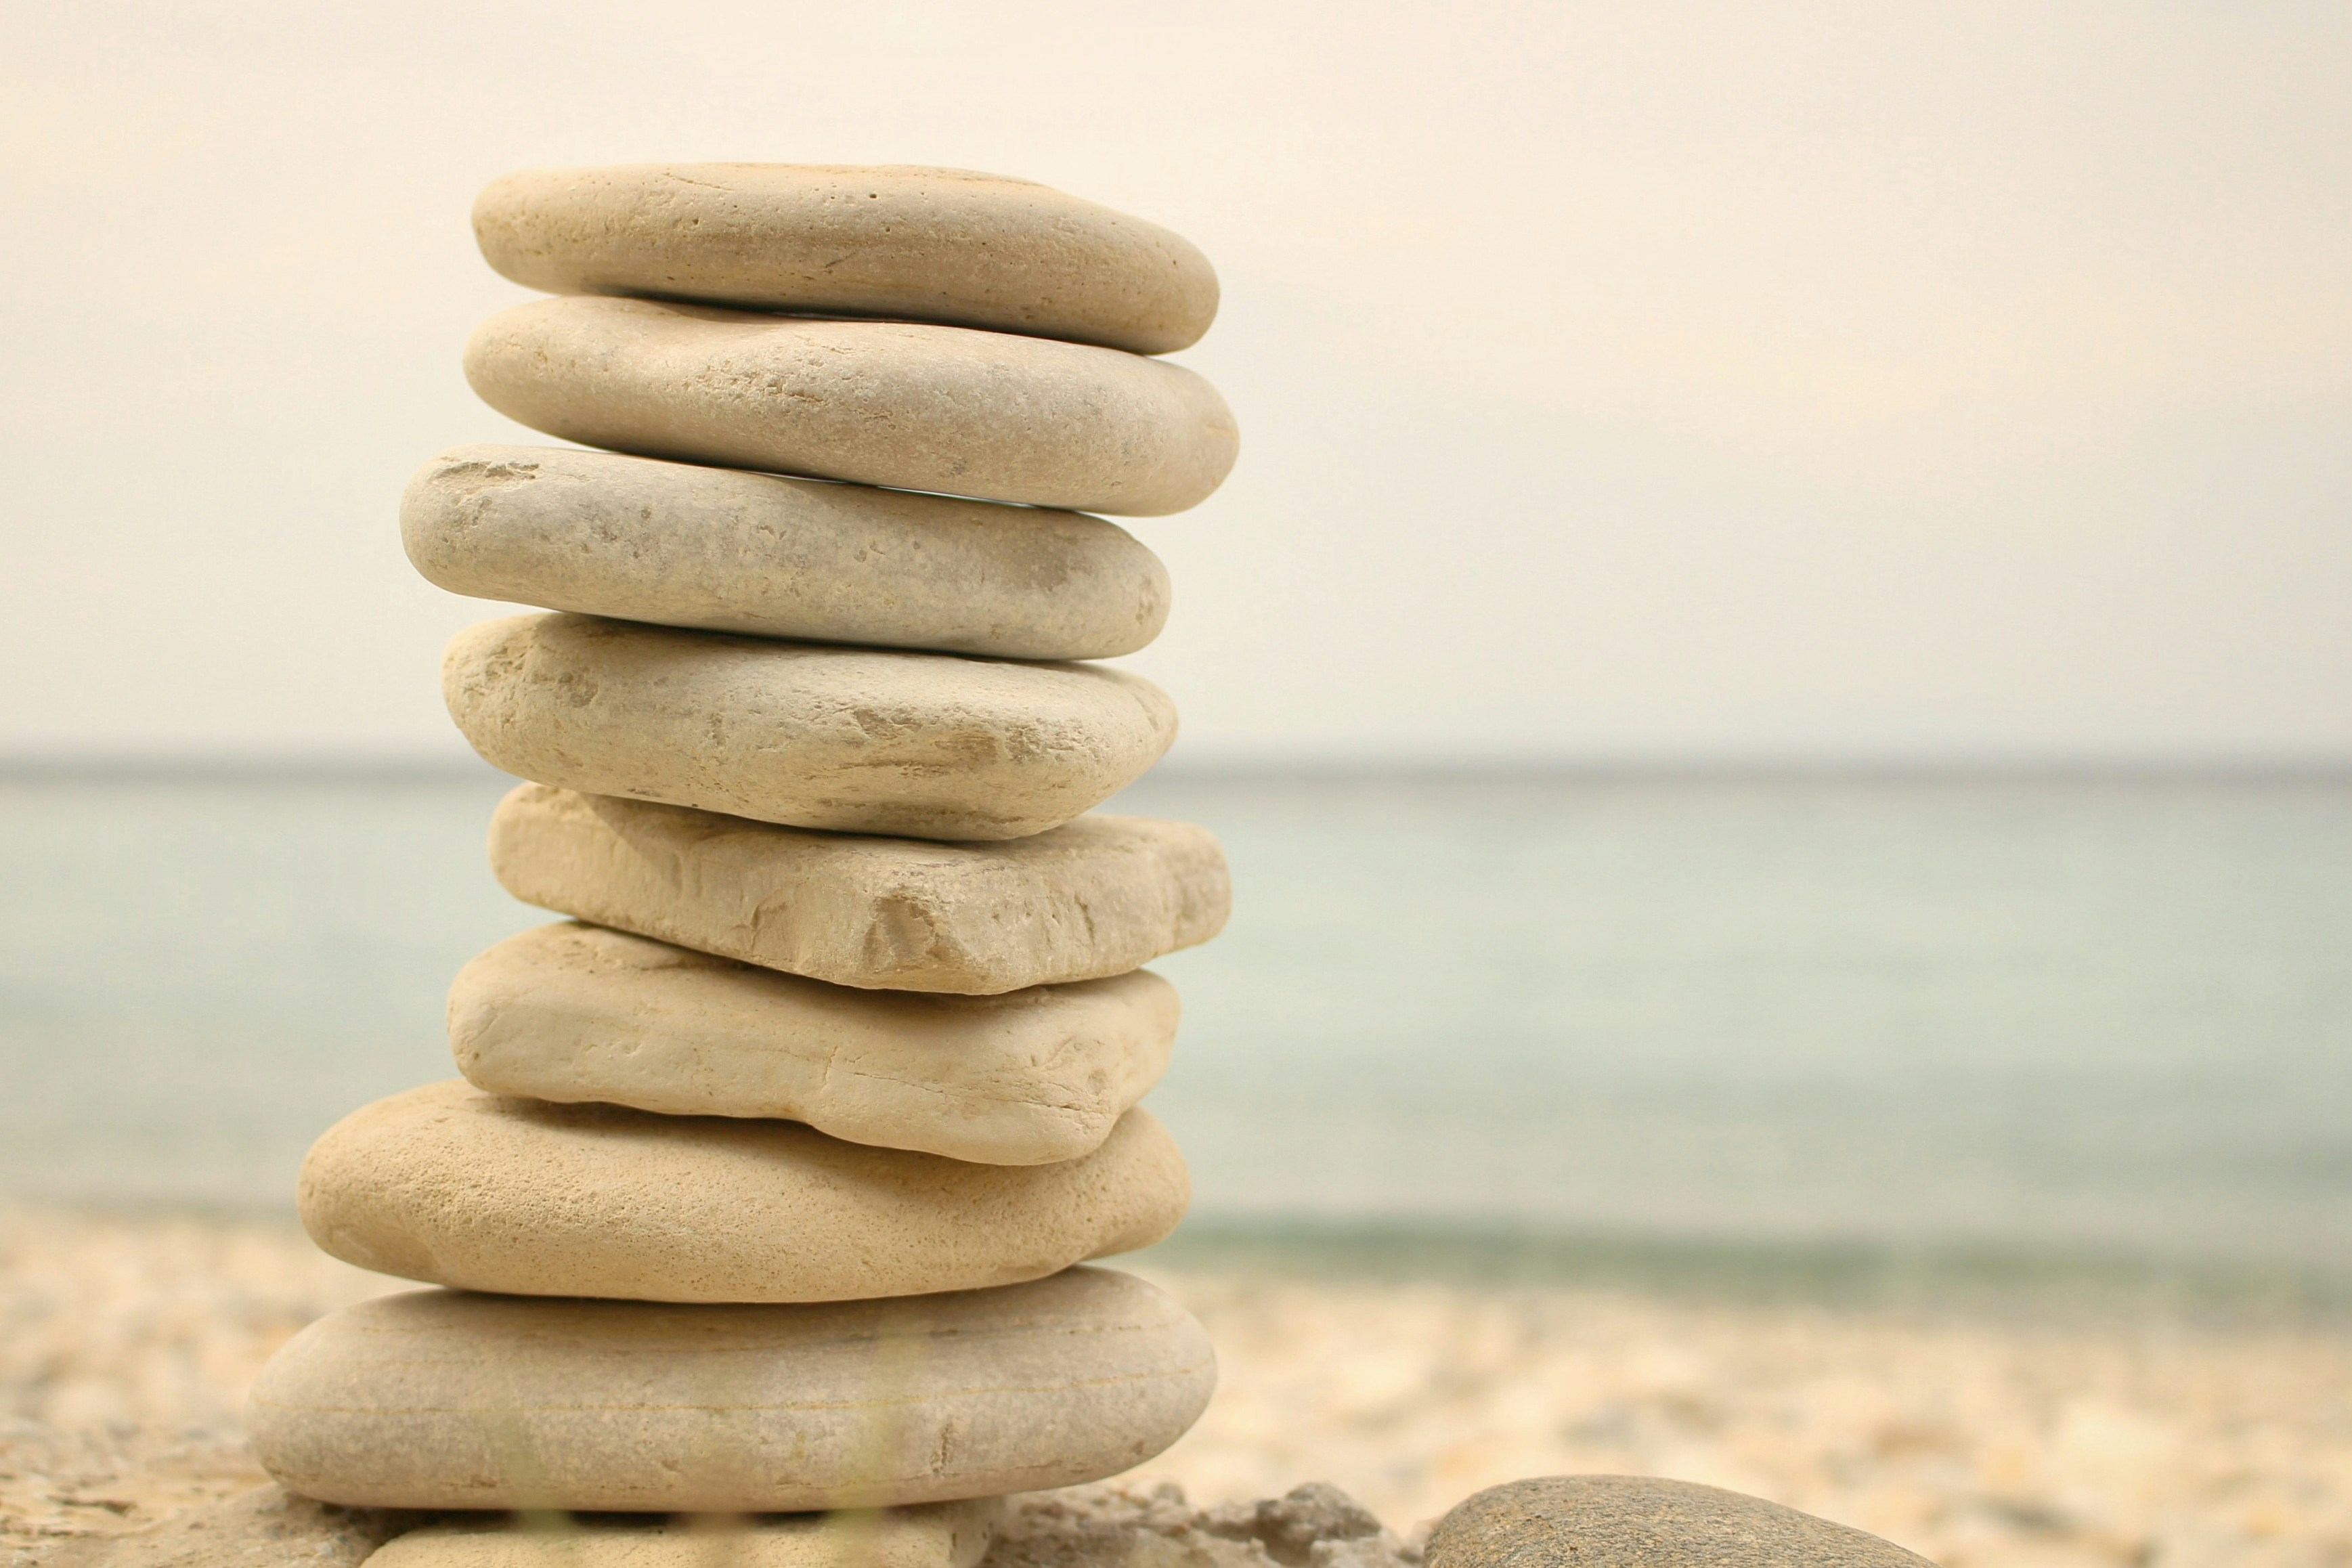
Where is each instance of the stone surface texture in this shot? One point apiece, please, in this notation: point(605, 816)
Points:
point(447, 1399)
point(929, 245)
point(1312, 1526)
point(760, 554)
point(450, 1185)
point(571, 1013)
point(843, 739)
point(932, 1535)
point(1642, 1521)
point(262, 1527)
point(1094, 897)
point(941, 409)
point(1088, 1526)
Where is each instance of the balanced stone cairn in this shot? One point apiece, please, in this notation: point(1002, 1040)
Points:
point(768, 1182)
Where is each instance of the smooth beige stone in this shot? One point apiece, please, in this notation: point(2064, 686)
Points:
point(724, 550)
point(1090, 899)
point(573, 1013)
point(932, 244)
point(850, 739)
point(917, 407)
point(929, 1535)
point(453, 1187)
point(445, 1400)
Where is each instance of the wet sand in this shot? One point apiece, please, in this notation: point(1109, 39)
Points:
point(1979, 1438)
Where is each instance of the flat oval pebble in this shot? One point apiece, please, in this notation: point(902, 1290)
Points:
point(851, 740)
point(724, 550)
point(916, 407)
point(1091, 899)
point(1641, 1522)
point(438, 1399)
point(929, 1535)
point(453, 1187)
point(573, 1013)
point(929, 245)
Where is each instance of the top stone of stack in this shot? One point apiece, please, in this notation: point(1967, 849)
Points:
point(903, 243)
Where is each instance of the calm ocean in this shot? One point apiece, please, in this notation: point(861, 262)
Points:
point(2089, 1016)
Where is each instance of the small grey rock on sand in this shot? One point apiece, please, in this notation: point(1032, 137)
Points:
point(1641, 1522)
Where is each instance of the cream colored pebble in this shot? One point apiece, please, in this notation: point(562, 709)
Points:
point(725, 551)
point(445, 1399)
point(942, 409)
point(1094, 897)
point(573, 1013)
point(453, 1187)
point(929, 245)
point(850, 739)
point(930, 1535)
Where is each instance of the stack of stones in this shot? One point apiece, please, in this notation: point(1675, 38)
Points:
point(766, 1185)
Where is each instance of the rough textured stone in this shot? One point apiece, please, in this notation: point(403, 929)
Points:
point(932, 244)
point(724, 550)
point(849, 740)
point(1639, 1521)
point(260, 1528)
point(1093, 898)
point(572, 1013)
point(933, 1535)
point(1314, 1526)
point(446, 1399)
point(454, 1186)
point(943, 409)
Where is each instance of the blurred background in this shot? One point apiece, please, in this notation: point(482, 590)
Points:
point(1774, 672)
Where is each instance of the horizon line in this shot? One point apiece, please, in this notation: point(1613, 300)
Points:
point(209, 766)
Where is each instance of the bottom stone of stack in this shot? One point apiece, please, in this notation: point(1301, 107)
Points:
point(933, 1535)
point(442, 1399)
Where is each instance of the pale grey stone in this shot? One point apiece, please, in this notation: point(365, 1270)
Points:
point(929, 1535)
point(1096, 897)
point(849, 740)
point(916, 407)
point(572, 1013)
point(450, 1185)
point(448, 1399)
point(931, 244)
point(724, 550)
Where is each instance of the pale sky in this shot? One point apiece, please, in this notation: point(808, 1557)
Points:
point(1638, 382)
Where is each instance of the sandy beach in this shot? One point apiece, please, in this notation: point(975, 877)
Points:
point(126, 1344)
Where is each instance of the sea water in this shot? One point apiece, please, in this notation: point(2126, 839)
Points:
point(2103, 1014)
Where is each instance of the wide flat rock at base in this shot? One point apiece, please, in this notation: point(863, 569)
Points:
point(931, 1535)
point(843, 739)
point(1642, 1521)
point(932, 245)
point(573, 1013)
point(1094, 897)
point(942, 409)
point(724, 550)
point(1073, 1526)
point(454, 1186)
point(448, 1399)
